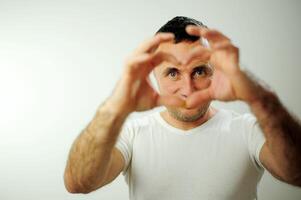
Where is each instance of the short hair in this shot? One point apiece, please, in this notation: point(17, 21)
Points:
point(177, 26)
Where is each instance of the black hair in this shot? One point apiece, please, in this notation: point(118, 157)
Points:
point(177, 26)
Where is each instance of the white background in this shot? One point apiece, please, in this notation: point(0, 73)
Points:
point(60, 59)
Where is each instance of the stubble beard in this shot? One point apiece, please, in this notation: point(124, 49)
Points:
point(177, 114)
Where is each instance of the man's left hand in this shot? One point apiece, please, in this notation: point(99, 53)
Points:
point(229, 82)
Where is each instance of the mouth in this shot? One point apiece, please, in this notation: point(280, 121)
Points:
point(188, 109)
point(185, 107)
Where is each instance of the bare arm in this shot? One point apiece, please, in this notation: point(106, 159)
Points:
point(93, 160)
point(92, 152)
point(280, 154)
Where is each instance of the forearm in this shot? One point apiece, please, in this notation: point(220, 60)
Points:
point(90, 154)
point(281, 129)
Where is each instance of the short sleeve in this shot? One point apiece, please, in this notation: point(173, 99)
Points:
point(255, 139)
point(125, 144)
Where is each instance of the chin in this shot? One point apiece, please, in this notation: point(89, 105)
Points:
point(189, 115)
point(189, 110)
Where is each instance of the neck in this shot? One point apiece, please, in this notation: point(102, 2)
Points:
point(188, 125)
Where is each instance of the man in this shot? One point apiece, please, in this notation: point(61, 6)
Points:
point(190, 150)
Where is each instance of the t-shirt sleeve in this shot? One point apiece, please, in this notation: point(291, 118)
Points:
point(125, 144)
point(255, 139)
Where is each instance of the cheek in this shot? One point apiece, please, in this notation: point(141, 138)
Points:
point(203, 84)
point(169, 87)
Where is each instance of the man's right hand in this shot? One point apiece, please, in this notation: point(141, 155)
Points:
point(133, 91)
point(93, 161)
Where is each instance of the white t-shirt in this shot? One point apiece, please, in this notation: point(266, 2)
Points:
point(217, 160)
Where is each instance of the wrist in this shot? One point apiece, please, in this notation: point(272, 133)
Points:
point(246, 88)
point(115, 107)
point(107, 122)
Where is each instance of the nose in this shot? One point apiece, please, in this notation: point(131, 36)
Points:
point(187, 87)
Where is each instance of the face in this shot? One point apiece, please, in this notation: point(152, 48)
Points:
point(183, 80)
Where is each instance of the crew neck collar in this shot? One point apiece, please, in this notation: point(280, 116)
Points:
point(194, 130)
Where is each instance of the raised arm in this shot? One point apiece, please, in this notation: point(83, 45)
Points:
point(93, 161)
point(93, 155)
point(281, 154)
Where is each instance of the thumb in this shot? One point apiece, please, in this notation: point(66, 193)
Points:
point(198, 98)
point(170, 101)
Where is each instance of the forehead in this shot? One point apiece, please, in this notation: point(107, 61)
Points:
point(179, 50)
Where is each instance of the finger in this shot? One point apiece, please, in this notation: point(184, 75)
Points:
point(156, 59)
point(147, 101)
point(229, 48)
point(164, 100)
point(138, 60)
point(195, 30)
point(198, 98)
point(200, 53)
point(161, 56)
point(205, 32)
point(139, 66)
point(145, 63)
point(152, 44)
point(214, 36)
point(169, 101)
point(211, 35)
point(222, 44)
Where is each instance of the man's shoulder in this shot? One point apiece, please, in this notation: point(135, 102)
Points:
point(236, 119)
point(237, 115)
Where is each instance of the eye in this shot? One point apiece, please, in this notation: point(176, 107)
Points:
point(199, 72)
point(172, 73)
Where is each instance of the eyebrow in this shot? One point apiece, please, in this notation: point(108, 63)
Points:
point(167, 70)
